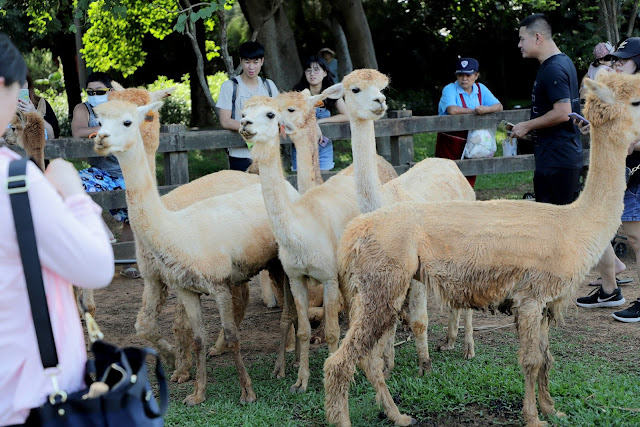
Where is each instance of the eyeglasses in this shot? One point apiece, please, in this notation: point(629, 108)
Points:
point(313, 70)
point(92, 92)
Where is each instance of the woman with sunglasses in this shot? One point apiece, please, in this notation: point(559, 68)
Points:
point(105, 173)
point(316, 78)
point(626, 59)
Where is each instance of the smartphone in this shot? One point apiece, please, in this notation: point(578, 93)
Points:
point(23, 95)
point(578, 117)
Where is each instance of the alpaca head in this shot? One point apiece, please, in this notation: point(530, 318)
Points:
point(120, 125)
point(298, 108)
point(26, 130)
point(613, 102)
point(260, 125)
point(362, 91)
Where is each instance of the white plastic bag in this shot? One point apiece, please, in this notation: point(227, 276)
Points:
point(481, 143)
point(509, 147)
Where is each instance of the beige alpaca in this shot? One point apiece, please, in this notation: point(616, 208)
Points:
point(307, 228)
point(471, 260)
point(27, 131)
point(209, 247)
point(430, 180)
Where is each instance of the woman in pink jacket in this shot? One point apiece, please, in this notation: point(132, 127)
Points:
point(73, 248)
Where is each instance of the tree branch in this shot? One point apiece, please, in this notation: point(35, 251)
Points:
point(228, 61)
point(275, 8)
point(632, 18)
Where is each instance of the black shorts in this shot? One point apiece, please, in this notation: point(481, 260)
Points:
point(239, 163)
point(558, 186)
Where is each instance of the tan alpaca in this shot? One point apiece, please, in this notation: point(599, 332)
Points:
point(471, 260)
point(432, 179)
point(208, 247)
point(26, 130)
point(307, 228)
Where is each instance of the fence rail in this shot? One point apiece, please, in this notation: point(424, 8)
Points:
point(394, 140)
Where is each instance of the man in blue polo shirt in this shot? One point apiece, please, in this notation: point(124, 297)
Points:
point(464, 96)
point(557, 145)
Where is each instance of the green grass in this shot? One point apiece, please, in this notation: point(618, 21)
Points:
point(586, 387)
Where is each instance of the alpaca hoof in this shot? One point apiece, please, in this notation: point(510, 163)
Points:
point(248, 396)
point(405, 420)
point(424, 368)
point(560, 414)
point(214, 351)
point(446, 345)
point(537, 423)
point(298, 388)
point(278, 370)
point(193, 400)
point(180, 377)
point(469, 353)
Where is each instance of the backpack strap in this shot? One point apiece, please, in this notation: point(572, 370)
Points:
point(266, 83)
point(233, 97)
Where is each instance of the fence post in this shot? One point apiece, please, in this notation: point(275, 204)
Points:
point(176, 163)
point(401, 145)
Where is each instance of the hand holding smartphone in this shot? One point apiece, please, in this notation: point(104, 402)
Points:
point(577, 116)
point(23, 95)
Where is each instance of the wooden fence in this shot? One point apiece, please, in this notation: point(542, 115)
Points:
point(394, 141)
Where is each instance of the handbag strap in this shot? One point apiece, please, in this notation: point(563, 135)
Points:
point(17, 187)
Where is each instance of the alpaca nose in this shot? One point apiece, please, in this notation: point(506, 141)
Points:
point(380, 99)
point(245, 122)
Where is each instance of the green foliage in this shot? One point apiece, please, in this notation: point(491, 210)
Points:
point(421, 102)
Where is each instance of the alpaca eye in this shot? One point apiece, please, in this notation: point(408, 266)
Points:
point(355, 90)
point(291, 110)
point(270, 115)
point(127, 123)
point(99, 124)
point(636, 104)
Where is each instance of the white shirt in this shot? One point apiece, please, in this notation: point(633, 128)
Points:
point(243, 94)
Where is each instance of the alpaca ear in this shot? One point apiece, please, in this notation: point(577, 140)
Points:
point(315, 100)
point(306, 92)
point(601, 91)
point(143, 110)
point(161, 94)
point(116, 86)
point(282, 121)
point(334, 92)
point(42, 107)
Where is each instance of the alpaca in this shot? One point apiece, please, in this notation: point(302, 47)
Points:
point(467, 256)
point(208, 247)
point(432, 179)
point(306, 228)
point(155, 291)
point(26, 130)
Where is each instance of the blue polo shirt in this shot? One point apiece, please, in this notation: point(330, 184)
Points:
point(451, 96)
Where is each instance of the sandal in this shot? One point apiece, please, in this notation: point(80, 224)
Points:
point(598, 281)
point(130, 273)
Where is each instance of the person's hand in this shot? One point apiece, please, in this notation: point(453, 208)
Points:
point(583, 126)
point(520, 130)
point(64, 178)
point(26, 107)
point(482, 109)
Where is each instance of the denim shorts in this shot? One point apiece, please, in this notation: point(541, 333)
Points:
point(631, 204)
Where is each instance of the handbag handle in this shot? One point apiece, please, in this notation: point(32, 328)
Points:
point(17, 187)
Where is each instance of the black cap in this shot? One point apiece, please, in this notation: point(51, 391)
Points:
point(628, 48)
point(467, 66)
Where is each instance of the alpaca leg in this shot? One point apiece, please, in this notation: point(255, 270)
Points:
point(286, 321)
point(544, 397)
point(240, 300)
point(469, 344)
point(528, 321)
point(154, 296)
point(89, 301)
point(224, 299)
point(420, 324)
point(301, 298)
point(388, 350)
point(193, 307)
point(184, 338)
point(266, 290)
point(449, 342)
point(331, 311)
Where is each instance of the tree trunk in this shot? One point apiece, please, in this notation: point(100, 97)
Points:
point(281, 59)
point(351, 16)
point(66, 50)
point(632, 18)
point(201, 111)
point(342, 48)
point(609, 9)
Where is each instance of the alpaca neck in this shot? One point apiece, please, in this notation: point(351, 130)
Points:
point(274, 188)
point(34, 148)
point(143, 201)
point(601, 201)
point(368, 185)
point(308, 164)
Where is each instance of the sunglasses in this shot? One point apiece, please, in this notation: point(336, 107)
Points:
point(92, 92)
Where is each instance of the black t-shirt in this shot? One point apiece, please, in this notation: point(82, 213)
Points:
point(633, 160)
point(557, 146)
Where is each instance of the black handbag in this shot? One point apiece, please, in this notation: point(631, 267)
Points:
point(129, 400)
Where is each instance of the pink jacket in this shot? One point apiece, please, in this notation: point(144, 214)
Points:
point(73, 248)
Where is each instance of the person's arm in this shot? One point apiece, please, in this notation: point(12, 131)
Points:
point(490, 103)
point(227, 122)
point(449, 102)
point(72, 241)
point(338, 118)
point(80, 122)
point(484, 109)
point(559, 114)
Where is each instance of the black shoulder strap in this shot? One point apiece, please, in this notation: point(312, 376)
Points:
point(233, 98)
point(266, 83)
point(17, 187)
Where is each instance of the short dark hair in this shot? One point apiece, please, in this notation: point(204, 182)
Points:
point(101, 77)
point(12, 65)
point(537, 23)
point(251, 50)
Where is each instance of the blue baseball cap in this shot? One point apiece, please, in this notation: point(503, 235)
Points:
point(467, 66)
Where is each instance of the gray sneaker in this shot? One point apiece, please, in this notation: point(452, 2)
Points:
point(597, 298)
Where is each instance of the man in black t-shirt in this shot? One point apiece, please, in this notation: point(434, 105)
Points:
point(557, 145)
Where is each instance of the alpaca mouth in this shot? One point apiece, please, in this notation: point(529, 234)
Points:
point(379, 111)
point(247, 134)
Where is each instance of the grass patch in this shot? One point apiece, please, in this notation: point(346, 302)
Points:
point(587, 387)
